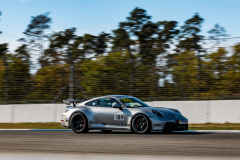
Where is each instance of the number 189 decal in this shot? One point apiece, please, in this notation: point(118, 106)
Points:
point(118, 117)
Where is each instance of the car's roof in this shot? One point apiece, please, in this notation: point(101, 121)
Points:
point(116, 96)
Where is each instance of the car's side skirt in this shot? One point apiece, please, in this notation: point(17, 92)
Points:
point(110, 126)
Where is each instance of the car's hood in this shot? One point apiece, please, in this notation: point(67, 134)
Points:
point(167, 112)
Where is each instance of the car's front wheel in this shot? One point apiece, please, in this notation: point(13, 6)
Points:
point(141, 124)
point(79, 123)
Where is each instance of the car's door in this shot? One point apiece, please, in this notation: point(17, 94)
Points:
point(93, 106)
point(112, 117)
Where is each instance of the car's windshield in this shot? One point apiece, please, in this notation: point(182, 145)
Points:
point(131, 102)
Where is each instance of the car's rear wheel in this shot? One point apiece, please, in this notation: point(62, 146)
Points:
point(106, 131)
point(141, 124)
point(79, 123)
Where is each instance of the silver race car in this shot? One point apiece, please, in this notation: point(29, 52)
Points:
point(119, 112)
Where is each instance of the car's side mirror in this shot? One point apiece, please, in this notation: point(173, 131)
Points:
point(117, 106)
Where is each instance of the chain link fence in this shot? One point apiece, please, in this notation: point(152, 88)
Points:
point(210, 75)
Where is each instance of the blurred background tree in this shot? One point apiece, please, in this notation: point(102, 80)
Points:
point(150, 60)
point(217, 33)
point(36, 34)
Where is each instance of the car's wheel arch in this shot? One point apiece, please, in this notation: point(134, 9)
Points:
point(78, 112)
point(140, 114)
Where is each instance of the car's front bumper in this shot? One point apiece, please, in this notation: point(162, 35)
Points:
point(174, 126)
point(165, 124)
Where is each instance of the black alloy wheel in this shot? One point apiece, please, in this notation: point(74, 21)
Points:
point(141, 124)
point(79, 123)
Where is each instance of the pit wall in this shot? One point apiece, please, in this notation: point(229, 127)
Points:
point(219, 111)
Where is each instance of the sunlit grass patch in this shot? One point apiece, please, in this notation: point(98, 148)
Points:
point(31, 126)
point(215, 126)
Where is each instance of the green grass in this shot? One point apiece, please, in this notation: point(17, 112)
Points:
point(31, 126)
point(207, 126)
point(215, 126)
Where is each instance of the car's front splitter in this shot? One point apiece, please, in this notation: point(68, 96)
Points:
point(175, 126)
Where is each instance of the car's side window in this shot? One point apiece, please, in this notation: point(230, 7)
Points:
point(108, 102)
point(93, 103)
point(115, 102)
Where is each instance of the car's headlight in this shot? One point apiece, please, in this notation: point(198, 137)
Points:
point(157, 113)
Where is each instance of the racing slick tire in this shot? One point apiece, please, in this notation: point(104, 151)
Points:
point(78, 123)
point(141, 124)
point(106, 131)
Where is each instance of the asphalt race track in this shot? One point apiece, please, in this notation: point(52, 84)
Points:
point(201, 144)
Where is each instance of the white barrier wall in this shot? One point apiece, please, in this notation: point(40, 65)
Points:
point(31, 113)
point(225, 111)
point(6, 113)
point(196, 111)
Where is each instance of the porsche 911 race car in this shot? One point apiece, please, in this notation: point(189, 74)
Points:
point(120, 112)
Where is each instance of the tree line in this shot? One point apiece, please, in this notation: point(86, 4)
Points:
point(149, 60)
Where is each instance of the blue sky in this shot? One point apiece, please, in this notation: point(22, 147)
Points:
point(95, 16)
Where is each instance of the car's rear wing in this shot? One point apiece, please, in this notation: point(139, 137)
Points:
point(72, 102)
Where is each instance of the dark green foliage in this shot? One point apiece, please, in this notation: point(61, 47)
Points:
point(121, 40)
point(23, 54)
point(189, 36)
point(17, 78)
point(3, 49)
point(36, 34)
point(135, 21)
point(217, 32)
point(101, 43)
point(146, 59)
